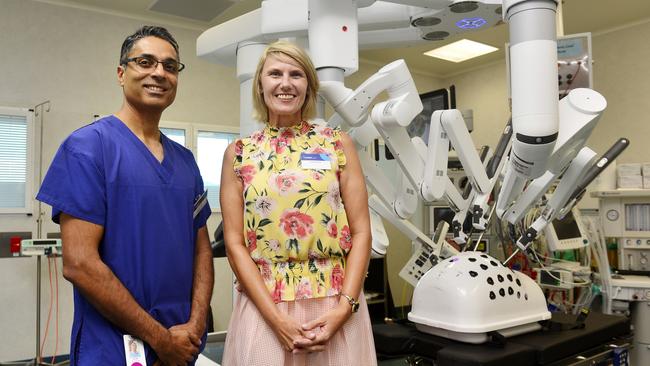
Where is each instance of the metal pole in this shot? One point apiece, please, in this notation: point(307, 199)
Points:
point(44, 107)
point(512, 256)
point(38, 310)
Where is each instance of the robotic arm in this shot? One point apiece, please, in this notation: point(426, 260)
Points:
point(619, 146)
point(480, 206)
point(428, 251)
point(404, 104)
point(424, 167)
point(577, 177)
point(352, 105)
point(389, 119)
point(579, 113)
point(574, 173)
point(533, 46)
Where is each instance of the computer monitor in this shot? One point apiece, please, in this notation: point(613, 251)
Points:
point(445, 213)
point(431, 102)
point(566, 234)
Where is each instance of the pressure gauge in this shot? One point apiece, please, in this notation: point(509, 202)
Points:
point(612, 215)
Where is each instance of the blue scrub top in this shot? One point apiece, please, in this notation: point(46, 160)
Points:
point(104, 174)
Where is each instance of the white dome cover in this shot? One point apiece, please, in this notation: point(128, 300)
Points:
point(471, 293)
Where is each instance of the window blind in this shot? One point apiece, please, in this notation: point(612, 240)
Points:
point(13, 161)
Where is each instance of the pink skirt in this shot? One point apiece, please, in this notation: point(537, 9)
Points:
point(251, 342)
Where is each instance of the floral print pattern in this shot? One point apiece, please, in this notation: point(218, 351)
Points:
point(295, 224)
point(286, 182)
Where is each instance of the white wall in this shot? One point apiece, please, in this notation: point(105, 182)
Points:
point(69, 57)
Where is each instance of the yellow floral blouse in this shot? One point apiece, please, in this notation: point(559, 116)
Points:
point(295, 225)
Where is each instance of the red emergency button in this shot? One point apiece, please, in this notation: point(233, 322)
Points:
point(14, 245)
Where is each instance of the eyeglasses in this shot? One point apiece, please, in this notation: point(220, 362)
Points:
point(146, 63)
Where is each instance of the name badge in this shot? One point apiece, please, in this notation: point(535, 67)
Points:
point(315, 161)
point(199, 203)
point(134, 351)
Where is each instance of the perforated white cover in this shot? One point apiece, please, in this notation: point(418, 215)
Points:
point(474, 293)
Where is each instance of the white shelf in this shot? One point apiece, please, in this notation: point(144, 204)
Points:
point(621, 193)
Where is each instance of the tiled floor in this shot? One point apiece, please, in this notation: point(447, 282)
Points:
point(214, 352)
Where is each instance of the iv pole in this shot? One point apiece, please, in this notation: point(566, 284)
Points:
point(39, 110)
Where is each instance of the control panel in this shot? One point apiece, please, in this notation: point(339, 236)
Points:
point(634, 254)
point(36, 247)
point(554, 278)
point(630, 288)
point(425, 257)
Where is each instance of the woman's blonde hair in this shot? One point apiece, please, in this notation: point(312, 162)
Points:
point(297, 54)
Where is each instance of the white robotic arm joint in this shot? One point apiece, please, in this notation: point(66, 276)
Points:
point(353, 105)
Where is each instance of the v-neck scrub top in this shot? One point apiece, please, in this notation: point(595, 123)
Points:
point(104, 174)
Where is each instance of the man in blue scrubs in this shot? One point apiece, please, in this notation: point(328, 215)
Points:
point(128, 199)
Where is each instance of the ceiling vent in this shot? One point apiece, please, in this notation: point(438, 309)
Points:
point(436, 36)
point(203, 10)
point(426, 22)
point(463, 7)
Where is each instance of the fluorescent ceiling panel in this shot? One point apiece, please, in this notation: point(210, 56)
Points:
point(204, 10)
point(460, 51)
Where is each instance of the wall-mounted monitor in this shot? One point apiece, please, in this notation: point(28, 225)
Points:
point(431, 102)
point(574, 62)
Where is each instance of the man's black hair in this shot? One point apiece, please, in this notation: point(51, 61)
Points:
point(146, 31)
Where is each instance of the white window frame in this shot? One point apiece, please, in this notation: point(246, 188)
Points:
point(211, 128)
point(192, 136)
point(186, 126)
point(31, 162)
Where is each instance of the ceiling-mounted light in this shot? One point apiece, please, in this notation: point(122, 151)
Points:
point(471, 23)
point(461, 50)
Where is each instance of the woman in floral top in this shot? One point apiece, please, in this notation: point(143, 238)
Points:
point(297, 229)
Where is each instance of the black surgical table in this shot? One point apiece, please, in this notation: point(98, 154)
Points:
point(604, 337)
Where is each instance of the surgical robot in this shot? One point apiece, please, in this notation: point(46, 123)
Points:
point(544, 141)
